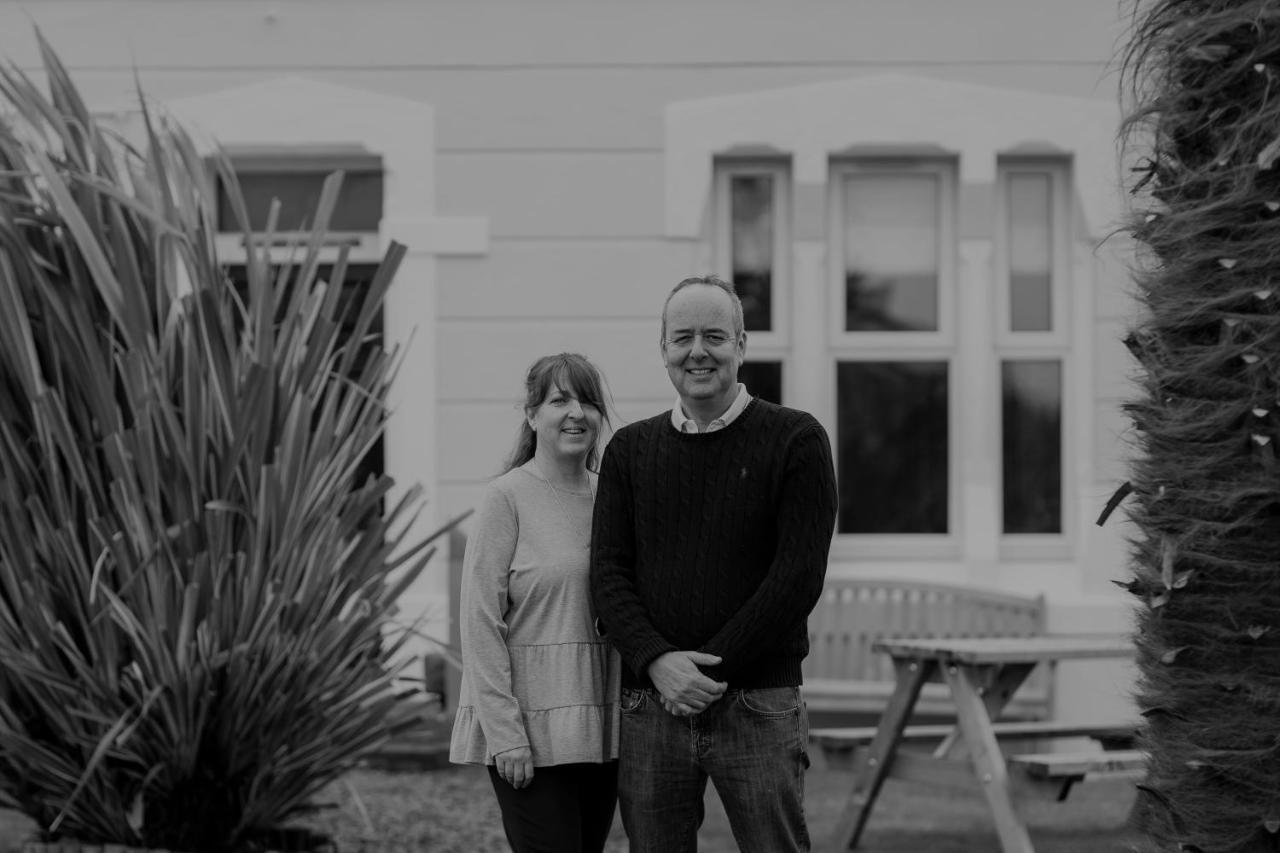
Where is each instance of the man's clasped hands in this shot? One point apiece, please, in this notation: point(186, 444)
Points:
point(685, 690)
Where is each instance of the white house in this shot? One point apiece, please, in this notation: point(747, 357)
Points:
point(914, 198)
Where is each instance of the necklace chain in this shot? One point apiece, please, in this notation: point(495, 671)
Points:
point(542, 475)
point(556, 492)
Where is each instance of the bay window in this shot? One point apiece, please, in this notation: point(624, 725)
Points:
point(925, 412)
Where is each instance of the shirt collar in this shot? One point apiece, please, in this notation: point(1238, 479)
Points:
point(684, 423)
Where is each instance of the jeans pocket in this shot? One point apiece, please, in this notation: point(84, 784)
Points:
point(773, 703)
point(632, 700)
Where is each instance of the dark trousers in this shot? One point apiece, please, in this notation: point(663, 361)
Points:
point(567, 808)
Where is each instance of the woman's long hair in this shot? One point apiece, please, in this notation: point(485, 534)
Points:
point(569, 372)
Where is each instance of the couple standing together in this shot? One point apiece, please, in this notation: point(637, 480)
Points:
point(629, 635)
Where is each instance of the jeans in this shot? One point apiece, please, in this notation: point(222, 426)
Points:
point(567, 808)
point(750, 743)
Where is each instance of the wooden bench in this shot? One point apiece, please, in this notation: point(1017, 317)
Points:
point(1062, 770)
point(843, 673)
point(838, 743)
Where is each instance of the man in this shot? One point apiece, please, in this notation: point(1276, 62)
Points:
point(710, 536)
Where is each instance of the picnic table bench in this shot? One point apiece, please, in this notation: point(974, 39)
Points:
point(981, 673)
point(1060, 771)
point(844, 673)
point(839, 744)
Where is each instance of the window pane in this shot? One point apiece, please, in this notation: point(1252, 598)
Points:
point(1030, 252)
point(892, 443)
point(763, 379)
point(751, 210)
point(891, 250)
point(1031, 395)
point(359, 206)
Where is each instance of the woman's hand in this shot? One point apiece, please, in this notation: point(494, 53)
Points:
point(515, 766)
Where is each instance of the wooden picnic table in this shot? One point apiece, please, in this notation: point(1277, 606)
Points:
point(982, 673)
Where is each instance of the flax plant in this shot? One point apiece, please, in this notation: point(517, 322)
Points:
point(1205, 135)
point(195, 589)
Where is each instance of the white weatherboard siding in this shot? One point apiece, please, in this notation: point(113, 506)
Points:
point(275, 34)
point(535, 278)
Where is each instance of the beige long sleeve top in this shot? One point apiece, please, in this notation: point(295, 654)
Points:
point(535, 671)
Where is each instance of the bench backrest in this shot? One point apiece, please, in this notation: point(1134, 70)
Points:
point(853, 614)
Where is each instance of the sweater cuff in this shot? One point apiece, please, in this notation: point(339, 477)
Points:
point(647, 653)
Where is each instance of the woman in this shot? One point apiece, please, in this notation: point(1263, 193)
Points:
point(539, 692)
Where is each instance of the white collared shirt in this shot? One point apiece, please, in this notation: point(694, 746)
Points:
point(684, 423)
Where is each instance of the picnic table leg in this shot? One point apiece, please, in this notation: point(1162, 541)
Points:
point(910, 676)
point(996, 695)
point(988, 760)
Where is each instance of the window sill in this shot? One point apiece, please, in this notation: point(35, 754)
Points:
point(1051, 546)
point(851, 546)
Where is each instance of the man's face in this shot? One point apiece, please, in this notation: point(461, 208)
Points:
point(700, 350)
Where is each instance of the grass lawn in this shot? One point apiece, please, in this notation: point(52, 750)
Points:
point(453, 810)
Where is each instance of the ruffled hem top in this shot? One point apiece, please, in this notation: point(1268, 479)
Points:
point(535, 671)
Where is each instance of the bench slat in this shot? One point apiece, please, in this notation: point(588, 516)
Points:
point(853, 736)
point(1076, 765)
point(841, 694)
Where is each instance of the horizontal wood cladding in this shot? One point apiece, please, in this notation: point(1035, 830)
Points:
point(539, 279)
point(555, 194)
point(485, 361)
point(1113, 287)
point(1114, 368)
point(581, 109)
point(477, 437)
point(480, 435)
point(414, 34)
point(1113, 447)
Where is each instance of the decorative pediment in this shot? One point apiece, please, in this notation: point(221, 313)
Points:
point(308, 114)
point(887, 113)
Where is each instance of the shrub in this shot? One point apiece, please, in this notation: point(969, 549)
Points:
point(195, 585)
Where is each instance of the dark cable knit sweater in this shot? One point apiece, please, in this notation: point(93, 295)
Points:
point(714, 542)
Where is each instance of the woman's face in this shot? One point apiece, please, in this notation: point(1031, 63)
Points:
point(565, 426)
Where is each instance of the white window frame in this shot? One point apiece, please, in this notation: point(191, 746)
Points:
point(287, 246)
point(945, 168)
point(1053, 345)
point(773, 345)
point(905, 545)
point(941, 345)
point(1058, 172)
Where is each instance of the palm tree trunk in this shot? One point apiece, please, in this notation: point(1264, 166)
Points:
point(1204, 134)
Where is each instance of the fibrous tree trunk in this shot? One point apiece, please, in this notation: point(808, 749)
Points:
point(1203, 141)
